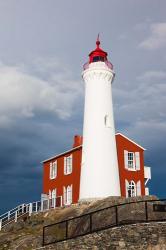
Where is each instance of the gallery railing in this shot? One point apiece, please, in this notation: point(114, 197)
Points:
point(112, 216)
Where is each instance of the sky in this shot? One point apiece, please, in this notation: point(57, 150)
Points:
point(43, 46)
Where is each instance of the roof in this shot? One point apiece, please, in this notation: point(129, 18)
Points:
point(73, 149)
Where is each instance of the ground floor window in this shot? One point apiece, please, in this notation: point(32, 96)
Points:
point(130, 189)
point(52, 198)
point(67, 195)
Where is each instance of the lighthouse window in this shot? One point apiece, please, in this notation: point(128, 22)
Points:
point(68, 162)
point(53, 170)
point(107, 121)
point(98, 58)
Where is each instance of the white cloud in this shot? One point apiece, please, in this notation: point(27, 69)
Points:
point(157, 38)
point(23, 94)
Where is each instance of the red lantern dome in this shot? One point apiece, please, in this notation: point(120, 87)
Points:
point(98, 55)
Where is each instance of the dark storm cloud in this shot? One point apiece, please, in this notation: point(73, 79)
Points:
point(23, 147)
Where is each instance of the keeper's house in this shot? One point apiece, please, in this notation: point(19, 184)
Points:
point(61, 173)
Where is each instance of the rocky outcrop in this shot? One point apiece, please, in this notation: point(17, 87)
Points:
point(27, 232)
point(151, 236)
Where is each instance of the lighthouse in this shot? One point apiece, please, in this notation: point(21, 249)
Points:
point(99, 170)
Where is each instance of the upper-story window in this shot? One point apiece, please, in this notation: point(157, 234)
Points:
point(53, 170)
point(68, 164)
point(132, 160)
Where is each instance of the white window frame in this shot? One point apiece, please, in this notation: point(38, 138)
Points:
point(53, 193)
point(132, 160)
point(131, 186)
point(53, 198)
point(68, 195)
point(53, 170)
point(68, 164)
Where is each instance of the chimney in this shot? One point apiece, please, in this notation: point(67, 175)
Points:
point(77, 141)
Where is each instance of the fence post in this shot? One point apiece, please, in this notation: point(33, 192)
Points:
point(30, 209)
point(90, 220)
point(43, 237)
point(41, 205)
point(49, 203)
point(66, 229)
point(54, 202)
point(22, 208)
point(36, 207)
point(15, 216)
point(8, 215)
point(116, 214)
point(146, 211)
point(0, 224)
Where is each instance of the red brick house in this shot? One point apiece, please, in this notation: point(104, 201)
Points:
point(61, 173)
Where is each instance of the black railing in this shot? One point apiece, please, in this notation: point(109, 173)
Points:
point(112, 216)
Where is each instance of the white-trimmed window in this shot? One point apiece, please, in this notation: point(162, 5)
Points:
point(53, 193)
point(132, 188)
point(68, 164)
point(53, 198)
point(53, 170)
point(132, 160)
point(67, 195)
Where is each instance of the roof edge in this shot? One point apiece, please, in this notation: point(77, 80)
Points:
point(131, 140)
point(65, 152)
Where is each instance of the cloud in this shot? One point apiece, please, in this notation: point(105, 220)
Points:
point(141, 110)
point(157, 37)
point(152, 76)
point(26, 92)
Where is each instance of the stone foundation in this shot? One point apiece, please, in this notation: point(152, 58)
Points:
point(150, 236)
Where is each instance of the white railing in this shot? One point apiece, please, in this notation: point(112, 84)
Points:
point(109, 65)
point(147, 172)
point(33, 207)
point(146, 191)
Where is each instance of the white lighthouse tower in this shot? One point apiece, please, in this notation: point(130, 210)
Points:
point(99, 171)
